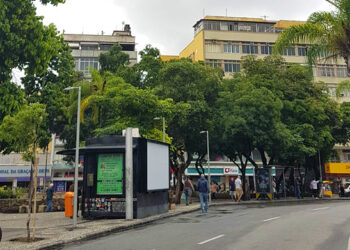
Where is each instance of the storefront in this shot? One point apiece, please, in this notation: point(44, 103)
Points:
point(339, 172)
point(19, 176)
point(220, 172)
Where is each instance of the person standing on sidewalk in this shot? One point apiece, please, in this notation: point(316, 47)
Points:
point(239, 191)
point(188, 190)
point(49, 196)
point(298, 189)
point(232, 188)
point(313, 186)
point(203, 190)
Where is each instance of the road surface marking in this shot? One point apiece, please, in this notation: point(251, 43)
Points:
point(206, 241)
point(320, 208)
point(349, 243)
point(273, 218)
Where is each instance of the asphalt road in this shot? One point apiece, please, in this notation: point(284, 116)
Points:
point(309, 226)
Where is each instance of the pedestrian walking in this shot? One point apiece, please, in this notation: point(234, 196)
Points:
point(232, 188)
point(188, 190)
point(239, 191)
point(313, 187)
point(203, 190)
point(49, 196)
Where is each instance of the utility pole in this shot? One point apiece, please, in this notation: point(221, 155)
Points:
point(129, 197)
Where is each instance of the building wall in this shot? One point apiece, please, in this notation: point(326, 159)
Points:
point(86, 48)
point(195, 50)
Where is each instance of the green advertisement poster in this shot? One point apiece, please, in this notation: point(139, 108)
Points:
point(110, 174)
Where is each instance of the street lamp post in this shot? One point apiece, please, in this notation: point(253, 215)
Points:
point(208, 162)
point(76, 171)
point(163, 118)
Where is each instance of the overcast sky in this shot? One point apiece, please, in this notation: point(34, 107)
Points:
point(166, 24)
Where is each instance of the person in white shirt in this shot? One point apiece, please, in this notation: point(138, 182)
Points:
point(313, 187)
point(239, 191)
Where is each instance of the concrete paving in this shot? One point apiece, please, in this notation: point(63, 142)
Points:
point(57, 230)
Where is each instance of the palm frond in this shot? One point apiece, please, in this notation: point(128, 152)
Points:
point(85, 103)
point(303, 33)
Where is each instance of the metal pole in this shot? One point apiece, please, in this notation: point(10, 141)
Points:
point(76, 171)
point(129, 175)
point(284, 187)
point(45, 169)
point(52, 155)
point(163, 129)
point(208, 166)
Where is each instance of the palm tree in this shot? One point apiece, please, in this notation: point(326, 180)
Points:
point(328, 34)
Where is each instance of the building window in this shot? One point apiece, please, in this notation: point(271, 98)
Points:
point(266, 48)
point(341, 71)
point(302, 50)
point(212, 47)
point(214, 63)
point(232, 66)
point(89, 47)
point(289, 52)
point(263, 27)
point(105, 47)
point(248, 27)
point(85, 63)
point(212, 25)
point(231, 48)
point(325, 70)
point(249, 48)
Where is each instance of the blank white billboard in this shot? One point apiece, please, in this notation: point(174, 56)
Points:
point(157, 166)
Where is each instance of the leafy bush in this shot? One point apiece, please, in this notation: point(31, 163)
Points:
point(5, 192)
point(20, 191)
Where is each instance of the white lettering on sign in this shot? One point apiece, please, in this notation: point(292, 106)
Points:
point(22, 171)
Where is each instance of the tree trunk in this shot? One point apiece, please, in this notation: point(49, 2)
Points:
point(30, 197)
point(35, 187)
point(178, 191)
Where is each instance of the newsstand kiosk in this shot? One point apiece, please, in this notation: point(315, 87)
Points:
point(104, 177)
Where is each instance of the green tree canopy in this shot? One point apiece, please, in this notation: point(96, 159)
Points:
point(25, 42)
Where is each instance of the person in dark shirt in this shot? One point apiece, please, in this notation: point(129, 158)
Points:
point(203, 190)
point(49, 196)
point(232, 188)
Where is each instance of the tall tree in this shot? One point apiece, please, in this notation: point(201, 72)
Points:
point(328, 34)
point(25, 42)
point(24, 133)
point(194, 89)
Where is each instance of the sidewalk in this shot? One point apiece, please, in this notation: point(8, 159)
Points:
point(57, 229)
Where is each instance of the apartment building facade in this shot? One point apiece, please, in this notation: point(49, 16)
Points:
point(223, 41)
point(86, 48)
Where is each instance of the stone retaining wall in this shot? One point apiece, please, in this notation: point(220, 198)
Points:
point(13, 205)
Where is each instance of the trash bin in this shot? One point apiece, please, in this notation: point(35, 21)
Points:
point(68, 204)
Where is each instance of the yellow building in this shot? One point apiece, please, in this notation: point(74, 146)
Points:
point(223, 41)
